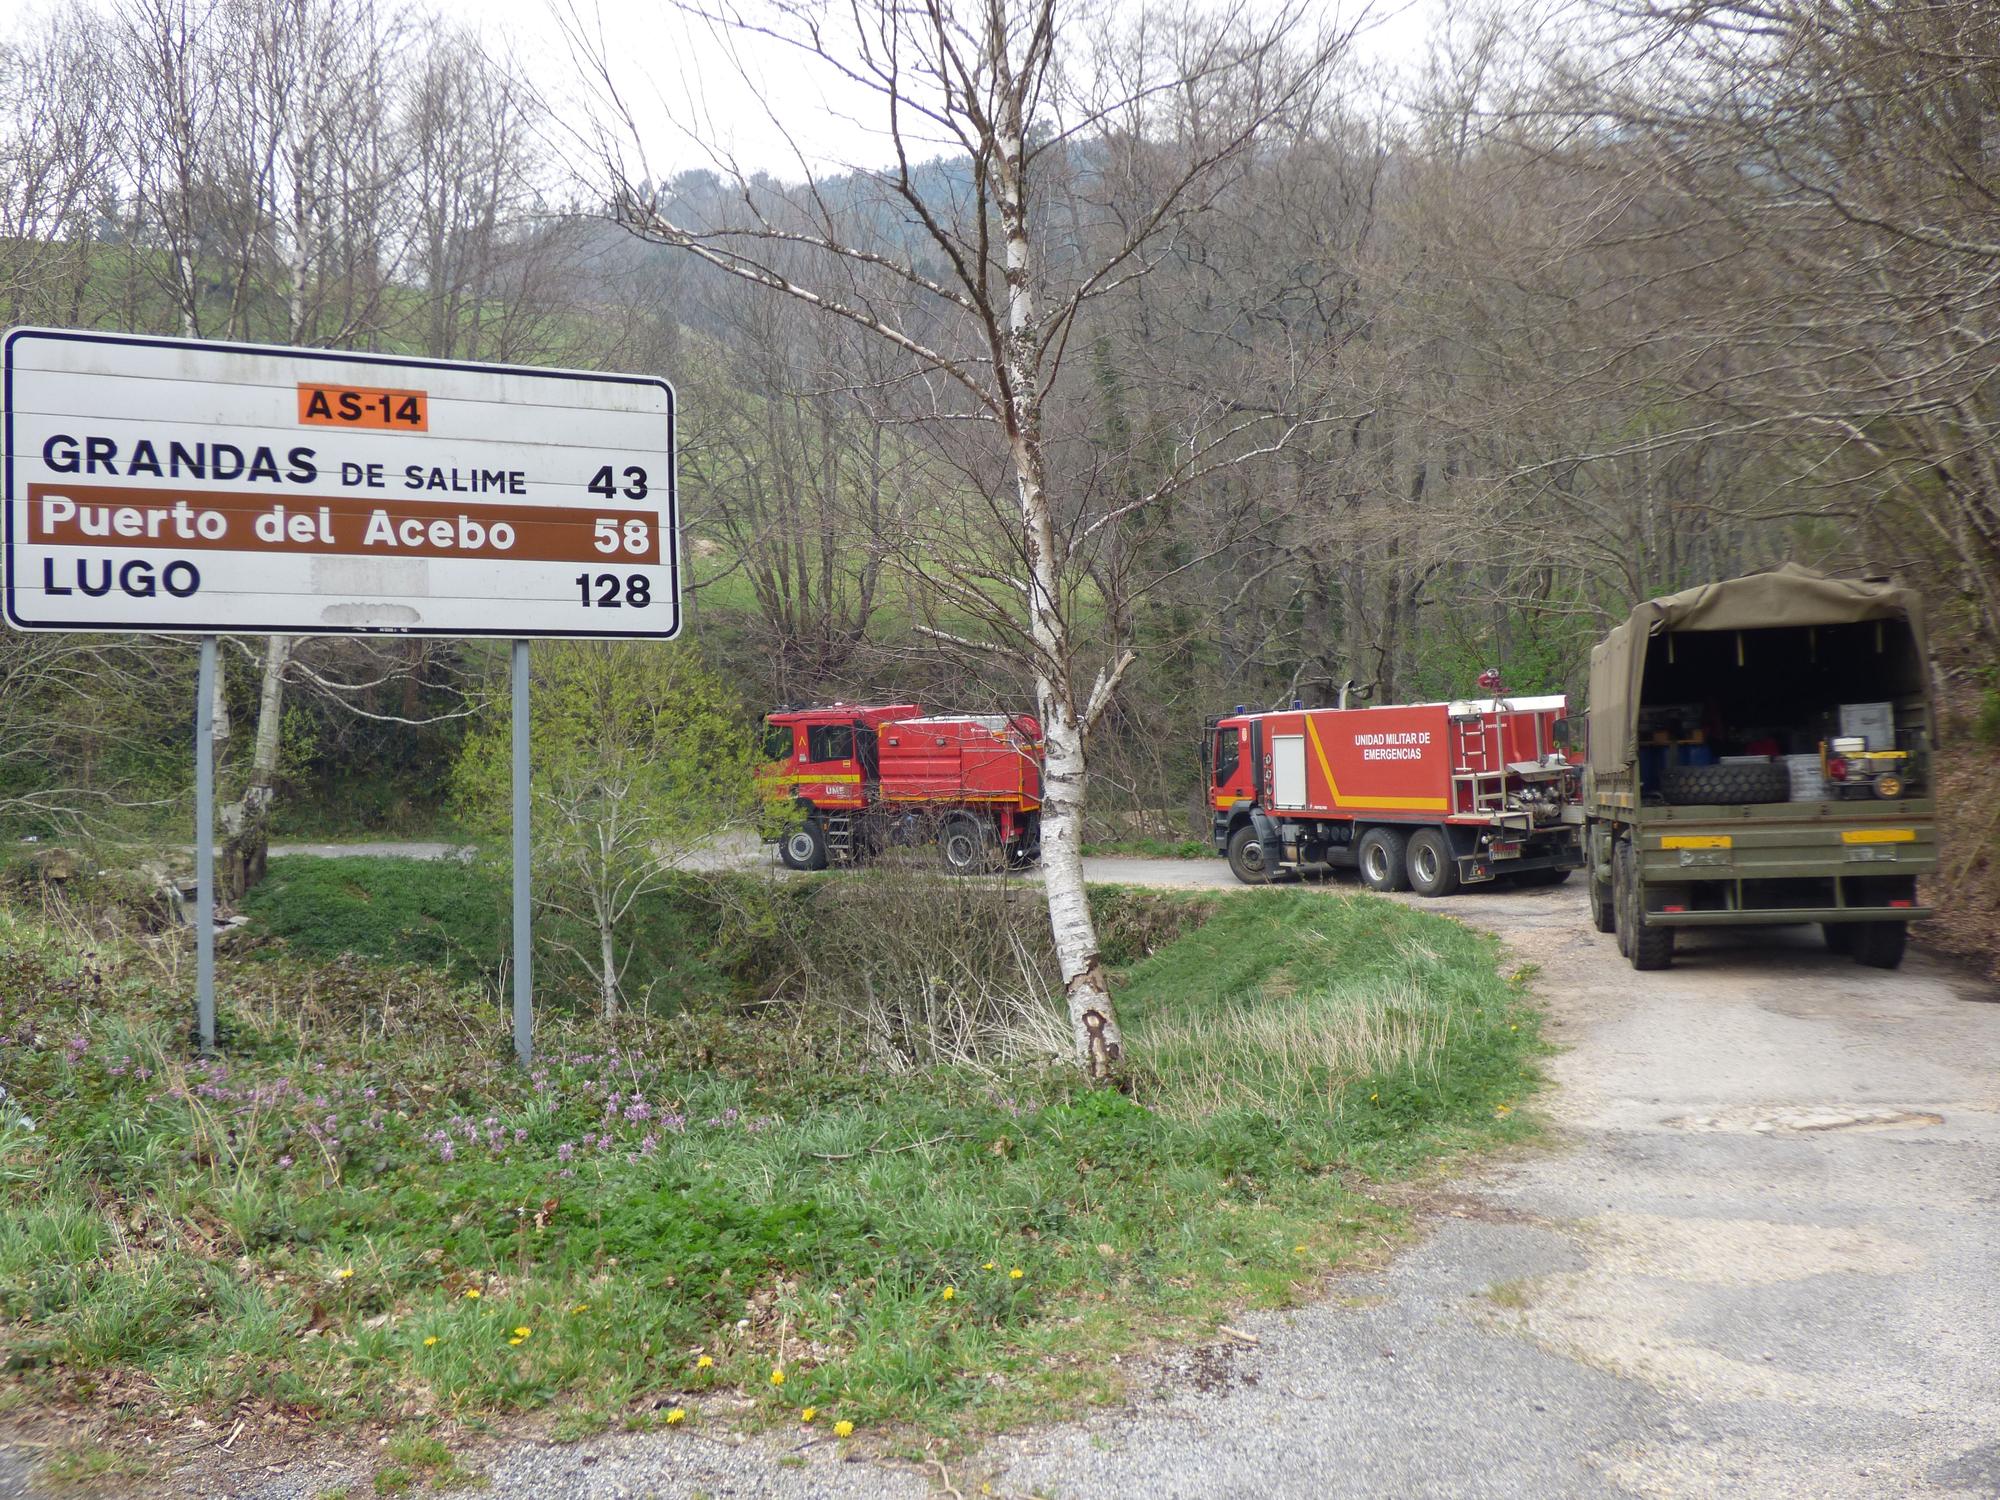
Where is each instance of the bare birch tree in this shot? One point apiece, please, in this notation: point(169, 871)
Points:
point(977, 266)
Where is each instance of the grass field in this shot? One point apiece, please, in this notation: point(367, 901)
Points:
point(364, 1214)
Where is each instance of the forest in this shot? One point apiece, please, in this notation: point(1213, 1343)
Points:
point(1348, 374)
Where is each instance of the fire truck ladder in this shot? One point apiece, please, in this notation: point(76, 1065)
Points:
point(839, 839)
point(1475, 765)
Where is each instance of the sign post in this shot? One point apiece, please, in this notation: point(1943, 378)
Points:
point(204, 850)
point(176, 485)
point(524, 952)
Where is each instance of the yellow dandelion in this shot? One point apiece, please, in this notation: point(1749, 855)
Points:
point(581, 1307)
point(843, 1428)
point(1373, 1097)
point(949, 1292)
point(513, 1343)
point(472, 1294)
point(808, 1414)
point(705, 1363)
point(1298, 1249)
point(1016, 1274)
point(1513, 1028)
point(988, 1266)
point(777, 1377)
point(343, 1273)
point(521, 1333)
point(678, 1414)
point(1504, 1110)
point(430, 1341)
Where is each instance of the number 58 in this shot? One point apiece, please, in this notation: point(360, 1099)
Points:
point(634, 537)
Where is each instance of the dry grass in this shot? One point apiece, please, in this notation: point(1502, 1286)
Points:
point(1303, 1054)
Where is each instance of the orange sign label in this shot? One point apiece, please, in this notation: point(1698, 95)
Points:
point(360, 406)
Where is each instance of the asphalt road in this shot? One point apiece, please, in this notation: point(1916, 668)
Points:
point(1759, 1259)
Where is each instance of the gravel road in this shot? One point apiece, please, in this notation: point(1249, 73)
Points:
point(1759, 1260)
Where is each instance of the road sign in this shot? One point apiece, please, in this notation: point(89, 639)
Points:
point(177, 485)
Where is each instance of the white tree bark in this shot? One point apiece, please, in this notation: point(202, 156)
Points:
point(608, 971)
point(1065, 767)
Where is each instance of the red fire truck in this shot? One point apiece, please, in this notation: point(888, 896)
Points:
point(865, 777)
point(1423, 795)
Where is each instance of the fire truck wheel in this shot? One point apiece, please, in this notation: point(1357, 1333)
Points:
point(1839, 936)
point(962, 842)
point(1246, 857)
point(1380, 855)
point(1433, 870)
point(803, 847)
point(1879, 945)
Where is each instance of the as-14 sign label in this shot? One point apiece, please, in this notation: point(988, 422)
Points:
point(174, 485)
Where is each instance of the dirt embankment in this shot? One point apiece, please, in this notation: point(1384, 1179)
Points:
point(1966, 891)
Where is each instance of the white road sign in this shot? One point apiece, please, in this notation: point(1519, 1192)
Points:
point(174, 485)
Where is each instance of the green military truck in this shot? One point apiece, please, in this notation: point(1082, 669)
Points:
point(1759, 753)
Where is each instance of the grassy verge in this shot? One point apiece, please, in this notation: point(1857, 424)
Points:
point(362, 1213)
point(453, 916)
point(1144, 847)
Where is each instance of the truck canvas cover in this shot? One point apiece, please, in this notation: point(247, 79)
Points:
point(1791, 595)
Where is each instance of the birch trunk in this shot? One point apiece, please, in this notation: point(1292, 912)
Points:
point(608, 974)
point(246, 822)
point(1087, 992)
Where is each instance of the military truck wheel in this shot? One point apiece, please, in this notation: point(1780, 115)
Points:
point(1433, 869)
point(1725, 786)
point(1839, 936)
point(1879, 945)
point(1647, 947)
point(962, 842)
point(1603, 915)
point(1534, 878)
point(1246, 857)
point(1380, 855)
point(1621, 879)
point(803, 847)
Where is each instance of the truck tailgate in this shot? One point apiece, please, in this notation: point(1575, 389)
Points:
point(1830, 855)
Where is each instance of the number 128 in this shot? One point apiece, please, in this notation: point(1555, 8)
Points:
point(613, 592)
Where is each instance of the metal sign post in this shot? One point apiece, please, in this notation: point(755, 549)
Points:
point(524, 958)
point(204, 850)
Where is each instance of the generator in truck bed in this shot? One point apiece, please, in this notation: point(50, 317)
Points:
point(1423, 795)
point(863, 778)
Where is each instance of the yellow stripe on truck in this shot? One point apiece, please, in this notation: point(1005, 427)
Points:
point(851, 779)
point(1696, 841)
point(1386, 804)
point(1878, 835)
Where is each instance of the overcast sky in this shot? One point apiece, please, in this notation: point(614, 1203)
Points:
point(675, 72)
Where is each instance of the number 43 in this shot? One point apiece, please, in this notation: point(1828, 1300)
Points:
point(602, 483)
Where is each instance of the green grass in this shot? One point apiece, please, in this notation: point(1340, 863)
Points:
point(305, 1223)
point(1146, 847)
point(454, 915)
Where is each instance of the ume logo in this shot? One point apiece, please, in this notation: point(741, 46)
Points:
point(1405, 744)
